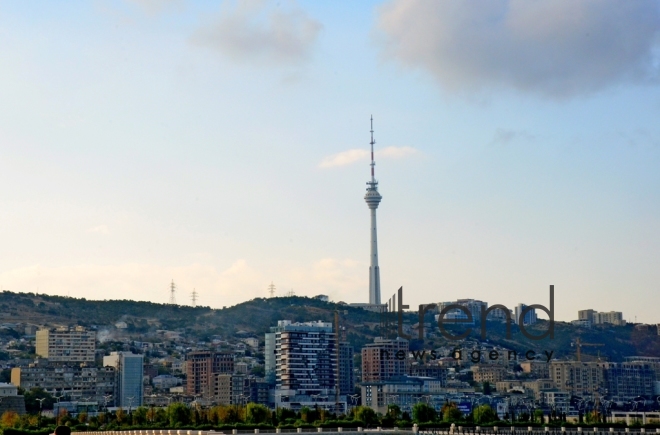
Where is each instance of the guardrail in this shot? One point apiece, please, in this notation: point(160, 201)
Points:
point(454, 430)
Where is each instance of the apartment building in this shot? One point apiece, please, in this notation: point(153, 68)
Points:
point(384, 359)
point(628, 380)
point(491, 373)
point(66, 345)
point(435, 371)
point(587, 317)
point(346, 374)
point(652, 361)
point(233, 389)
point(578, 378)
point(73, 383)
point(538, 369)
point(530, 315)
point(306, 365)
point(201, 367)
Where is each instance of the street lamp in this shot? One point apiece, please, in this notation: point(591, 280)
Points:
point(106, 399)
point(41, 405)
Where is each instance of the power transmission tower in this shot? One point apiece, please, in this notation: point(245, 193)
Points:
point(172, 293)
point(193, 296)
point(271, 289)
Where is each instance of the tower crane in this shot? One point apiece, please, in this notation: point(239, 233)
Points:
point(578, 346)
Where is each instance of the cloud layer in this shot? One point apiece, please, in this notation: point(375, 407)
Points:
point(557, 48)
point(250, 31)
point(355, 155)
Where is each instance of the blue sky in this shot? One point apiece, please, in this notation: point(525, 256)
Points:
point(222, 145)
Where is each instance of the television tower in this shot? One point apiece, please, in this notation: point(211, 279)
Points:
point(372, 198)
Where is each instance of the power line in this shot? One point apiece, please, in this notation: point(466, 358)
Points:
point(194, 296)
point(271, 289)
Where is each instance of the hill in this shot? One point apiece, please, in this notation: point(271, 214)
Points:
point(255, 317)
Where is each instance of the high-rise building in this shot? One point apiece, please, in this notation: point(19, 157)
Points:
point(346, 375)
point(66, 344)
point(530, 315)
point(129, 370)
point(306, 364)
point(372, 198)
point(587, 315)
point(384, 359)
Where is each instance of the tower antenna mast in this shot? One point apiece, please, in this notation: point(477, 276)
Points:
point(373, 162)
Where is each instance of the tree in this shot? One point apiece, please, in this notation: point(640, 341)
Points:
point(450, 412)
point(488, 389)
point(394, 411)
point(366, 415)
point(423, 413)
point(178, 413)
point(9, 419)
point(32, 405)
point(120, 416)
point(484, 414)
point(538, 415)
point(256, 413)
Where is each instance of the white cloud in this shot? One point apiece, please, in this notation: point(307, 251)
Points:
point(253, 31)
point(100, 229)
point(355, 155)
point(558, 48)
point(344, 158)
point(396, 152)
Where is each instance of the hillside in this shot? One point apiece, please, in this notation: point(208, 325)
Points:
point(255, 317)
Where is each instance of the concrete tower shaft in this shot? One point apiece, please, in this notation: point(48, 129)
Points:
point(373, 198)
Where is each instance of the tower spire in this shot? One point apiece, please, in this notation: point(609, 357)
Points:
point(373, 142)
point(372, 198)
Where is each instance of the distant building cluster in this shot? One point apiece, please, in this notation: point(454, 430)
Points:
point(473, 309)
point(587, 318)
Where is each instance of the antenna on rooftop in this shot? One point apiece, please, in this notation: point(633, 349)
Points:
point(172, 293)
point(193, 296)
point(271, 289)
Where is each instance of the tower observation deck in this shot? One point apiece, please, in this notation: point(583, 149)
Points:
point(372, 198)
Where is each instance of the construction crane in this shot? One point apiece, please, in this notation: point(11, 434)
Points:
point(578, 345)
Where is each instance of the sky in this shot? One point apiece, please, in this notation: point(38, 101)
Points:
point(224, 145)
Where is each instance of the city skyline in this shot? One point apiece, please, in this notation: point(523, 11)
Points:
point(142, 142)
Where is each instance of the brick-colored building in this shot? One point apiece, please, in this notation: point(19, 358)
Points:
point(200, 368)
point(384, 359)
